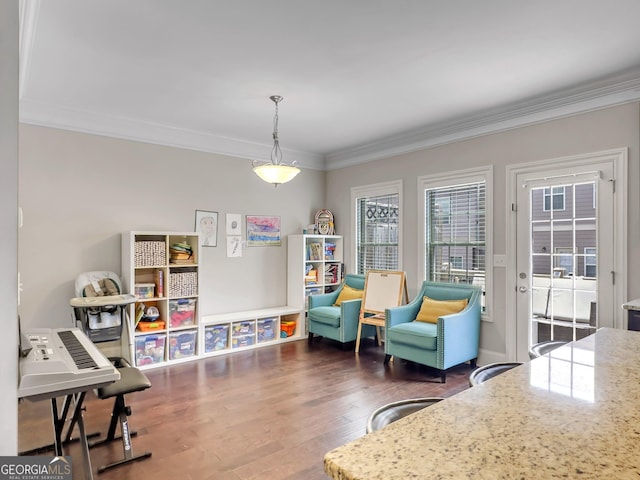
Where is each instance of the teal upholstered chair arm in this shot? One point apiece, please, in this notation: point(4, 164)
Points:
point(459, 333)
point(324, 299)
point(350, 314)
point(351, 308)
point(402, 314)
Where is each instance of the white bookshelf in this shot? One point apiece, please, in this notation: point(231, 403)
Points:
point(320, 254)
point(173, 285)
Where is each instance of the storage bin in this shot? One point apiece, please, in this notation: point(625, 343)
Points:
point(247, 327)
point(243, 333)
point(287, 328)
point(149, 349)
point(183, 284)
point(182, 344)
point(182, 312)
point(149, 253)
point(145, 290)
point(216, 337)
point(150, 326)
point(266, 329)
point(243, 341)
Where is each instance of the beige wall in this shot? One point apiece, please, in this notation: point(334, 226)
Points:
point(8, 224)
point(606, 129)
point(78, 193)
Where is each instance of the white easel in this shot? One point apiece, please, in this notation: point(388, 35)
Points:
point(382, 289)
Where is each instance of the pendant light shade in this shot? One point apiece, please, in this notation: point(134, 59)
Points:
point(275, 171)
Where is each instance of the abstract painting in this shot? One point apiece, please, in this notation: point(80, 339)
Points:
point(263, 231)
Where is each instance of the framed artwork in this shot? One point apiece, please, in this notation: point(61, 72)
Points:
point(263, 231)
point(207, 227)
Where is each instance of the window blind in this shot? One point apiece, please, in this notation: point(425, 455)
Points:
point(456, 233)
point(377, 232)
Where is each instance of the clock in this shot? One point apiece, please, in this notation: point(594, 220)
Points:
point(324, 222)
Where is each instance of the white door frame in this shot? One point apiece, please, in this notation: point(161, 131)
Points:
point(619, 160)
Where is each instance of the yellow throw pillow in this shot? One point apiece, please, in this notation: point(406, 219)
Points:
point(348, 293)
point(432, 309)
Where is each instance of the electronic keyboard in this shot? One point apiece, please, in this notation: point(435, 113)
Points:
point(62, 361)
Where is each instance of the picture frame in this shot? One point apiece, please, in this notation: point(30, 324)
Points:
point(207, 226)
point(263, 231)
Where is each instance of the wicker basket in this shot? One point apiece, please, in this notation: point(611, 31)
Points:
point(150, 253)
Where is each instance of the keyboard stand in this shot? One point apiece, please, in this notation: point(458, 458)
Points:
point(73, 366)
point(59, 421)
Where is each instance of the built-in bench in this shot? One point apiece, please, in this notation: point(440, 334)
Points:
point(228, 332)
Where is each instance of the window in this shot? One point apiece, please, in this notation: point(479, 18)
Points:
point(456, 261)
point(456, 211)
point(554, 196)
point(377, 227)
point(590, 262)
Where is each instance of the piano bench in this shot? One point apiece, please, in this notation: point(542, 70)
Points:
point(131, 380)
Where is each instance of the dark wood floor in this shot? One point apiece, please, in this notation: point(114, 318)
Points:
point(270, 413)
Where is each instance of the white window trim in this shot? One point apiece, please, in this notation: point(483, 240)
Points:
point(377, 189)
point(461, 177)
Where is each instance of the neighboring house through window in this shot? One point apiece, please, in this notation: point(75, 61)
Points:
point(590, 262)
point(554, 196)
point(377, 226)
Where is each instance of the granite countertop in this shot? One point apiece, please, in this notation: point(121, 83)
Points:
point(632, 304)
point(573, 413)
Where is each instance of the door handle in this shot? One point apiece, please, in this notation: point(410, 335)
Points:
point(522, 289)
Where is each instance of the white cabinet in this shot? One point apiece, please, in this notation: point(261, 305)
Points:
point(315, 265)
point(161, 269)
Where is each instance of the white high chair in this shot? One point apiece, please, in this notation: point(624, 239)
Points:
point(101, 312)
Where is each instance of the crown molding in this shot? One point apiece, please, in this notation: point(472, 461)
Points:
point(62, 117)
point(615, 91)
point(622, 89)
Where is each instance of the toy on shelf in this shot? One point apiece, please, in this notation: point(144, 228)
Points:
point(324, 222)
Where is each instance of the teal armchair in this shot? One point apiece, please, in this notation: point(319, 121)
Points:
point(453, 340)
point(337, 323)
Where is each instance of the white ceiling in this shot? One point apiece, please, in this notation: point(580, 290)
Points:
point(360, 79)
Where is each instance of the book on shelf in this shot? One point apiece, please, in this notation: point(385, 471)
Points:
point(332, 273)
point(311, 277)
point(140, 307)
point(329, 251)
point(314, 251)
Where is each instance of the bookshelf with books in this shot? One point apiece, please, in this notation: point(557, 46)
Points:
point(314, 266)
point(161, 269)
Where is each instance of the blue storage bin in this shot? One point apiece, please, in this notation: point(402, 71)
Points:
point(216, 337)
point(182, 344)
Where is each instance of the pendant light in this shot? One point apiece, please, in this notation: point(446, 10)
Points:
point(275, 171)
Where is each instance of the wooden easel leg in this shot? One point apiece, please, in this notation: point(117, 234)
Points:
point(358, 337)
point(378, 336)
